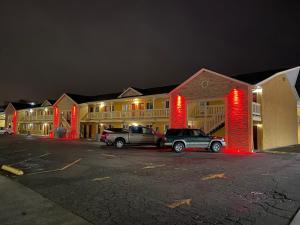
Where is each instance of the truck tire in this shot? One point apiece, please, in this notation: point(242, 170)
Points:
point(215, 146)
point(178, 147)
point(119, 143)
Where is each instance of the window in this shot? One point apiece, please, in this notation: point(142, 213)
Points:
point(167, 104)
point(136, 130)
point(147, 130)
point(97, 109)
point(174, 132)
point(149, 105)
point(193, 133)
point(91, 109)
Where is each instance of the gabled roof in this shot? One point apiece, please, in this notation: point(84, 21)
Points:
point(157, 90)
point(19, 105)
point(134, 92)
point(79, 98)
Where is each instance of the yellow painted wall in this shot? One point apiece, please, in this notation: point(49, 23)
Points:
point(279, 113)
point(2, 119)
point(220, 132)
point(65, 104)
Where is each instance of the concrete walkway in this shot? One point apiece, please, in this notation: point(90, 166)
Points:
point(20, 205)
point(296, 219)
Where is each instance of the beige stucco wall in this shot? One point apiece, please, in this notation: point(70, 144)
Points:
point(2, 119)
point(279, 113)
point(298, 112)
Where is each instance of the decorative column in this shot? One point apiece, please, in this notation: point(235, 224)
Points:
point(55, 120)
point(74, 112)
point(14, 122)
point(238, 118)
point(178, 111)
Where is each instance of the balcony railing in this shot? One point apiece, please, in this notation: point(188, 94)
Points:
point(206, 111)
point(39, 118)
point(133, 114)
point(256, 109)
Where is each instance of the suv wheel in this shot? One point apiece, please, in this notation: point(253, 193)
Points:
point(215, 146)
point(120, 143)
point(178, 147)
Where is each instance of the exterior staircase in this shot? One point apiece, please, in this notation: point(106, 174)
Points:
point(208, 118)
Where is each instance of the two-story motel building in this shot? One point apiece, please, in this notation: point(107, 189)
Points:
point(252, 111)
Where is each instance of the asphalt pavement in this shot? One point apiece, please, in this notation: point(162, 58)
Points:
point(146, 185)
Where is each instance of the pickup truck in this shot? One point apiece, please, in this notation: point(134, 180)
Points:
point(135, 135)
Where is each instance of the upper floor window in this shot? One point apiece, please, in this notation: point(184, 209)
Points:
point(91, 109)
point(167, 104)
point(97, 109)
point(149, 105)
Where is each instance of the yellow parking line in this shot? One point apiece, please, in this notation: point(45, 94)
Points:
point(214, 176)
point(153, 166)
point(101, 178)
point(179, 203)
point(108, 155)
point(55, 170)
point(71, 164)
point(30, 159)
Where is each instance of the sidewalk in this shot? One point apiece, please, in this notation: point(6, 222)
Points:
point(20, 205)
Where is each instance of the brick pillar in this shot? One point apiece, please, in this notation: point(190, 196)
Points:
point(55, 121)
point(74, 114)
point(238, 125)
point(178, 111)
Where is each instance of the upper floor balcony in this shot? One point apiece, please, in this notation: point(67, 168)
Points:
point(132, 114)
point(36, 118)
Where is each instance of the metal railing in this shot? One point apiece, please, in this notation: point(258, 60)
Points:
point(132, 114)
point(256, 109)
point(39, 118)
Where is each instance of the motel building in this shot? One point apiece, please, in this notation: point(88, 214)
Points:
point(251, 111)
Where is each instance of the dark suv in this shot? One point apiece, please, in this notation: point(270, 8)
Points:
point(179, 139)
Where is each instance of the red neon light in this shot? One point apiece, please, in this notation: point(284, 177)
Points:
point(237, 124)
point(14, 122)
point(55, 121)
point(178, 112)
point(73, 133)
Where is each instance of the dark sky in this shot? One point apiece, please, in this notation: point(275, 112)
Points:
point(95, 47)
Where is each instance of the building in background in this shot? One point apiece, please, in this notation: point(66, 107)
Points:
point(252, 111)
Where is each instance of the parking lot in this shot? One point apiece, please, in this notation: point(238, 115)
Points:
point(147, 185)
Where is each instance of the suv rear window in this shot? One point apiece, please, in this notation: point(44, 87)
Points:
point(174, 132)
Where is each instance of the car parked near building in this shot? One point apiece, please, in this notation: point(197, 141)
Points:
point(107, 131)
point(135, 135)
point(179, 139)
point(6, 131)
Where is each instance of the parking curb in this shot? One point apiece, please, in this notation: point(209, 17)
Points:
point(12, 170)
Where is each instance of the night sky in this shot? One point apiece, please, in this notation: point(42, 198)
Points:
point(95, 47)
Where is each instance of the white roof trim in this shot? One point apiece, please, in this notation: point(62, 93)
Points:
point(129, 89)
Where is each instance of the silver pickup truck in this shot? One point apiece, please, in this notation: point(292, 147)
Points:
point(135, 135)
